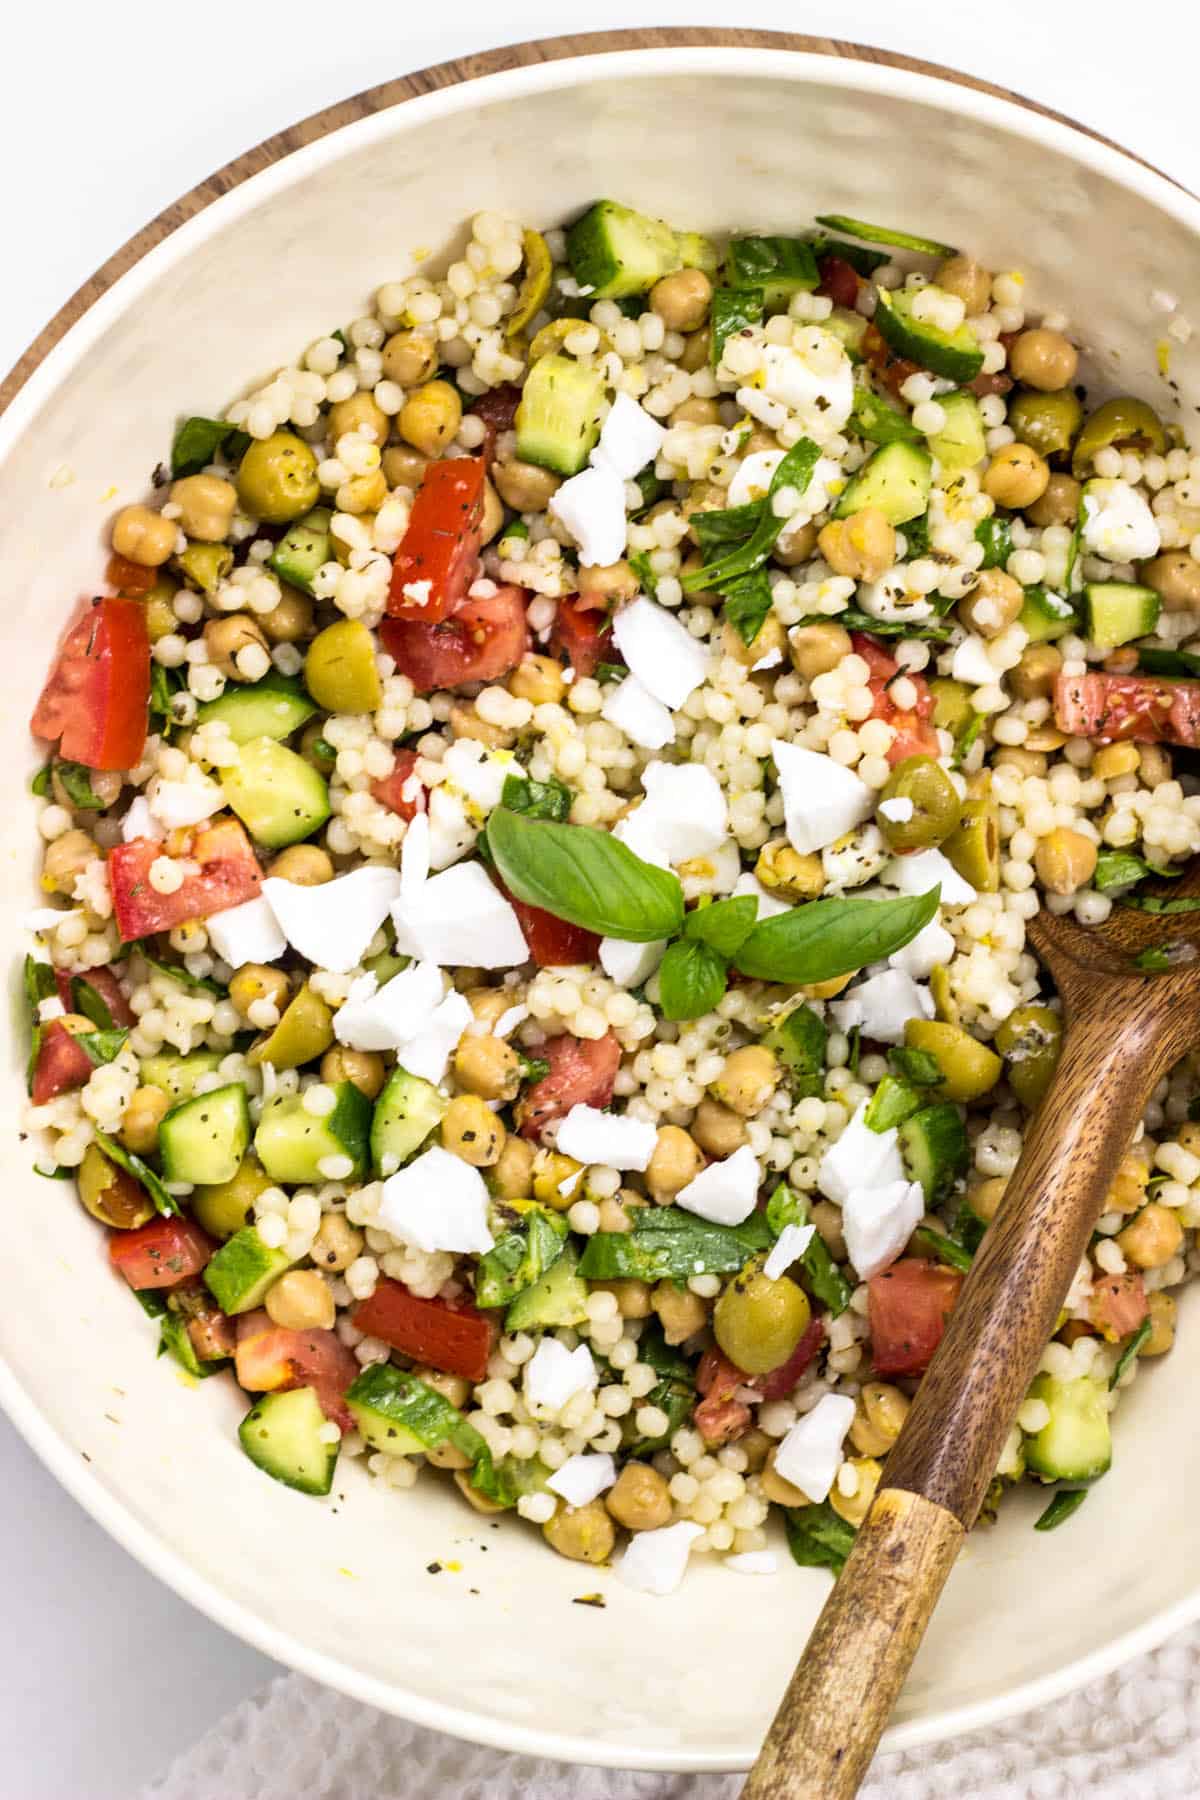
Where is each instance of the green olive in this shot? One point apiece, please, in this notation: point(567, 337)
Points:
point(205, 566)
point(277, 480)
point(974, 847)
point(225, 1207)
point(304, 1033)
point(316, 748)
point(969, 1068)
point(1124, 424)
point(936, 807)
point(758, 1322)
point(1030, 1041)
point(948, 1009)
point(111, 1195)
point(1046, 422)
point(339, 670)
point(952, 707)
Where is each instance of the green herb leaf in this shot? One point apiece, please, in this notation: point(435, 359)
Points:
point(786, 1208)
point(77, 784)
point(1121, 868)
point(141, 1171)
point(198, 441)
point(732, 310)
point(995, 534)
point(57, 1174)
point(39, 982)
point(725, 525)
point(824, 1278)
point(1064, 1503)
point(795, 471)
point(854, 619)
point(747, 604)
point(177, 972)
point(86, 1000)
point(534, 1068)
point(639, 562)
point(669, 1244)
point(537, 799)
point(164, 685)
point(817, 1537)
point(151, 1302)
point(825, 938)
point(894, 1100)
point(854, 1049)
point(1131, 1350)
point(883, 234)
point(1152, 661)
point(883, 424)
point(944, 1248)
point(605, 672)
point(691, 978)
point(965, 739)
point(674, 1395)
point(585, 876)
point(725, 924)
point(1155, 961)
point(531, 1244)
point(40, 785)
point(102, 1046)
point(652, 486)
point(917, 1066)
point(504, 1482)
point(1154, 903)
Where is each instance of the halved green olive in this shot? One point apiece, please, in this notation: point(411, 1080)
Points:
point(974, 848)
point(1030, 1041)
point(934, 807)
point(303, 1033)
point(1123, 424)
point(224, 1208)
point(339, 670)
point(1046, 422)
point(952, 707)
point(277, 479)
point(111, 1195)
point(535, 283)
point(969, 1068)
point(205, 566)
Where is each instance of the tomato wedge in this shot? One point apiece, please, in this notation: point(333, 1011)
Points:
point(582, 1072)
point(271, 1357)
point(780, 1382)
point(400, 791)
point(62, 1063)
point(96, 699)
point(448, 1335)
point(160, 1254)
point(908, 1306)
point(583, 636)
point(915, 732)
point(554, 942)
point(105, 984)
point(439, 556)
point(221, 870)
point(1118, 1304)
point(839, 281)
point(484, 640)
point(1147, 708)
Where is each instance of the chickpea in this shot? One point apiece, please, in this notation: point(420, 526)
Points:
point(538, 679)
point(430, 417)
point(993, 603)
point(774, 1487)
point(361, 413)
point(1189, 1136)
point(748, 1080)
point(828, 1220)
point(640, 1499)
point(65, 860)
point(454, 1388)
point(1155, 765)
point(409, 358)
point(1065, 860)
point(785, 871)
point(493, 513)
point(226, 636)
point(141, 535)
point(718, 1129)
point(487, 1003)
point(301, 1301)
point(1059, 503)
point(206, 504)
point(881, 1411)
point(1115, 760)
point(613, 1216)
point(254, 982)
point(1044, 737)
point(1175, 575)
point(680, 1312)
point(862, 546)
point(1016, 476)
point(337, 1243)
point(581, 1533)
point(1036, 673)
point(675, 1161)
point(1043, 359)
point(289, 621)
point(363, 493)
point(770, 635)
point(403, 466)
point(1162, 1324)
point(611, 581)
point(1128, 1189)
point(697, 350)
point(487, 1066)
point(1153, 1238)
point(816, 649)
point(634, 1298)
point(696, 412)
point(795, 544)
point(472, 1130)
point(524, 486)
point(512, 1172)
point(1027, 762)
point(307, 865)
point(984, 1197)
point(362, 1067)
point(967, 280)
point(855, 1507)
point(139, 1128)
point(465, 722)
point(479, 1501)
point(682, 300)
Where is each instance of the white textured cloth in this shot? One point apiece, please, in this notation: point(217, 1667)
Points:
point(1133, 1735)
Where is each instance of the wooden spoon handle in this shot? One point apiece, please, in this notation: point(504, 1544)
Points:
point(831, 1718)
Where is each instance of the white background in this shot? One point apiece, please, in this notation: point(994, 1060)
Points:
point(110, 113)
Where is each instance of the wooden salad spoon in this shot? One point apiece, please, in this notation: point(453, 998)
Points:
point(1130, 990)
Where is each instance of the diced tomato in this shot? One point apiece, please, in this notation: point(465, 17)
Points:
point(997, 383)
point(908, 1306)
point(583, 636)
point(129, 578)
point(160, 1254)
point(96, 700)
point(498, 410)
point(484, 640)
point(1147, 708)
point(717, 1378)
point(782, 1380)
point(892, 370)
point(441, 545)
point(553, 942)
point(401, 791)
point(721, 1421)
point(1118, 1304)
point(105, 984)
point(270, 1358)
point(212, 1334)
point(915, 733)
point(582, 1072)
point(62, 1063)
point(881, 666)
point(452, 1336)
point(226, 872)
point(839, 281)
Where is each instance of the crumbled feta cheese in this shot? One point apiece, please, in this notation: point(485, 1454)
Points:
point(771, 660)
point(860, 1158)
point(331, 925)
point(931, 947)
point(629, 438)
point(583, 1478)
point(459, 917)
point(180, 804)
point(629, 965)
point(507, 1023)
point(725, 1192)
point(612, 1140)
point(890, 601)
point(384, 1018)
point(898, 810)
point(856, 858)
point(248, 933)
point(788, 1248)
point(668, 661)
point(478, 774)
point(49, 918)
point(971, 663)
point(684, 815)
point(140, 822)
point(882, 1006)
point(753, 1562)
point(654, 1561)
point(877, 1223)
point(753, 477)
point(813, 378)
point(592, 507)
point(437, 1202)
point(415, 854)
point(554, 1375)
point(917, 873)
point(822, 800)
point(644, 720)
point(451, 832)
point(428, 1053)
point(1117, 523)
point(811, 1453)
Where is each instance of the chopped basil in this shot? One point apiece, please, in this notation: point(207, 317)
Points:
point(824, 938)
point(534, 1068)
point(733, 309)
point(1154, 903)
point(995, 534)
point(56, 1174)
point(725, 525)
point(883, 424)
point(861, 260)
point(164, 685)
point(1155, 961)
point(652, 486)
point(817, 1537)
point(39, 981)
point(176, 972)
point(141, 1171)
point(1121, 868)
point(747, 604)
point(965, 739)
point(76, 782)
point(786, 1208)
point(692, 977)
point(1131, 1350)
point(794, 471)
point(639, 562)
point(944, 1248)
point(199, 440)
point(916, 537)
point(585, 876)
point(40, 785)
point(1064, 1503)
point(86, 1000)
point(674, 1395)
point(969, 1228)
point(605, 672)
point(521, 1256)
point(102, 1046)
point(854, 619)
point(669, 1244)
point(537, 799)
point(917, 1066)
point(725, 924)
point(823, 1276)
point(1152, 661)
point(854, 1049)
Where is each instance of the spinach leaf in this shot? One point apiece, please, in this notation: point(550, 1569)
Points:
point(675, 1393)
point(732, 310)
point(1131, 1350)
point(537, 799)
point(995, 534)
point(669, 1244)
point(884, 234)
point(725, 525)
point(102, 1046)
point(198, 441)
point(786, 1208)
point(520, 1257)
point(585, 876)
point(1064, 1503)
point(141, 1171)
point(917, 1066)
point(817, 1537)
point(725, 924)
point(77, 782)
point(881, 423)
point(640, 563)
point(854, 619)
point(177, 972)
point(1152, 661)
point(1154, 903)
point(86, 1000)
point(40, 785)
point(824, 938)
point(825, 1279)
point(795, 471)
point(692, 978)
point(534, 1068)
point(1121, 868)
point(747, 603)
point(944, 1248)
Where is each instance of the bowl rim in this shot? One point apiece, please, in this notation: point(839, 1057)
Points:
point(509, 72)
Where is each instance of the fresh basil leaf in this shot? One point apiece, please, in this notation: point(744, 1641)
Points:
point(177, 972)
point(151, 1302)
point(1121, 868)
point(198, 441)
point(40, 785)
point(536, 799)
point(692, 977)
point(669, 1244)
point(520, 1257)
point(340, 337)
point(725, 924)
point(1154, 903)
point(817, 1537)
point(969, 1229)
point(39, 981)
point(1064, 1503)
point(995, 534)
point(825, 938)
point(652, 486)
point(164, 685)
point(893, 1101)
point(786, 1208)
point(944, 1248)
point(1155, 960)
point(916, 537)
point(675, 1393)
point(747, 604)
point(76, 781)
point(1152, 661)
point(585, 876)
point(794, 471)
point(141, 1171)
point(965, 739)
point(732, 310)
point(854, 1049)
point(917, 1066)
point(102, 1046)
point(86, 1000)
point(639, 562)
point(605, 672)
point(884, 234)
point(881, 423)
point(725, 525)
point(823, 1276)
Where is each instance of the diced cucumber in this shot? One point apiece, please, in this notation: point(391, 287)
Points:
point(798, 1040)
point(960, 443)
point(242, 1270)
point(281, 1434)
point(403, 1416)
point(204, 1139)
point(1045, 615)
point(850, 328)
point(522, 1255)
point(884, 234)
point(893, 1101)
point(1076, 1443)
point(558, 419)
point(616, 251)
point(780, 266)
point(933, 1143)
point(1119, 611)
point(291, 1143)
point(273, 708)
point(177, 1075)
point(881, 422)
point(302, 549)
point(405, 1113)
point(177, 1343)
point(278, 796)
point(896, 478)
point(558, 1298)
point(955, 355)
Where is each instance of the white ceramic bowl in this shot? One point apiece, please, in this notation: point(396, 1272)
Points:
point(493, 1648)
